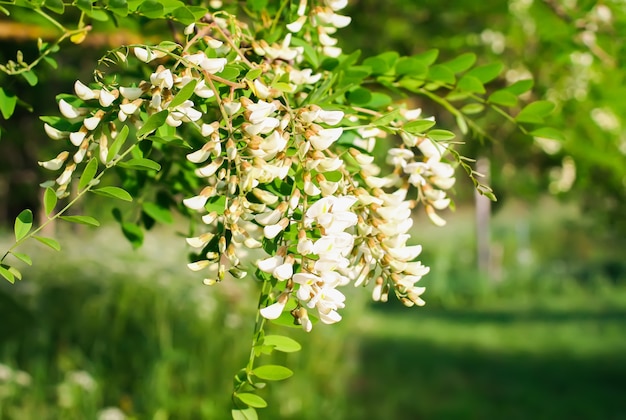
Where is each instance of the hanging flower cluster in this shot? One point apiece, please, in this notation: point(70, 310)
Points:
point(282, 174)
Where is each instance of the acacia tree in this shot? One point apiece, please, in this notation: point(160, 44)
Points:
point(297, 165)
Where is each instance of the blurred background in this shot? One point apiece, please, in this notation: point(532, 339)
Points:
point(526, 299)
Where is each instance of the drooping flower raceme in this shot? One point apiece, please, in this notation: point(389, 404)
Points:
point(285, 188)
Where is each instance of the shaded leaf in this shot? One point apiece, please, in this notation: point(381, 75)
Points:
point(158, 213)
point(119, 7)
point(386, 119)
point(7, 104)
point(133, 233)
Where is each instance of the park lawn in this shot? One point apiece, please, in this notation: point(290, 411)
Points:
point(560, 357)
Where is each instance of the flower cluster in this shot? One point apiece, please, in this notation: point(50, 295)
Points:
point(279, 174)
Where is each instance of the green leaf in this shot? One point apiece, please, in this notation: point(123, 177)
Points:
point(84, 5)
point(7, 274)
point(440, 73)
point(438, 135)
point(252, 400)
point(244, 414)
point(30, 77)
point(23, 224)
point(386, 119)
point(133, 233)
point(158, 213)
point(230, 72)
point(114, 192)
point(49, 242)
point(83, 220)
point(359, 96)
point(272, 372)
point(118, 143)
point(469, 83)
point(155, 121)
point(282, 343)
point(22, 257)
point(184, 15)
point(16, 273)
point(7, 104)
point(184, 94)
point(140, 164)
point(257, 5)
point(503, 97)
point(521, 86)
point(535, 112)
point(487, 72)
point(49, 200)
point(418, 126)
point(377, 64)
point(427, 58)
point(462, 124)
point(119, 7)
point(253, 74)
point(471, 109)
point(151, 9)
point(88, 173)
point(548, 133)
point(461, 63)
point(411, 66)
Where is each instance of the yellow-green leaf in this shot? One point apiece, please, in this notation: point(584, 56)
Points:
point(23, 224)
point(282, 343)
point(272, 372)
point(83, 220)
point(49, 242)
point(252, 400)
point(88, 173)
point(114, 192)
point(49, 200)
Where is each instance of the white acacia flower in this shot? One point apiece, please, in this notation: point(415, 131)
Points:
point(198, 265)
point(434, 217)
point(260, 111)
point(146, 55)
point(200, 241)
point(276, 309)
point(131, 93)
point(265, 126)
point(296, 25)
point(68, 111)
point(53, 133)
point(330, 117)
point(55, 163)
point(325, 137)
point(92, 122)
point(106, 98)
point(304, 77)
point(66, 176)
point(162, 79)
point(77, 137)
point(83, 91)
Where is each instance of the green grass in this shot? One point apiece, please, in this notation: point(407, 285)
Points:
point(539, 344)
